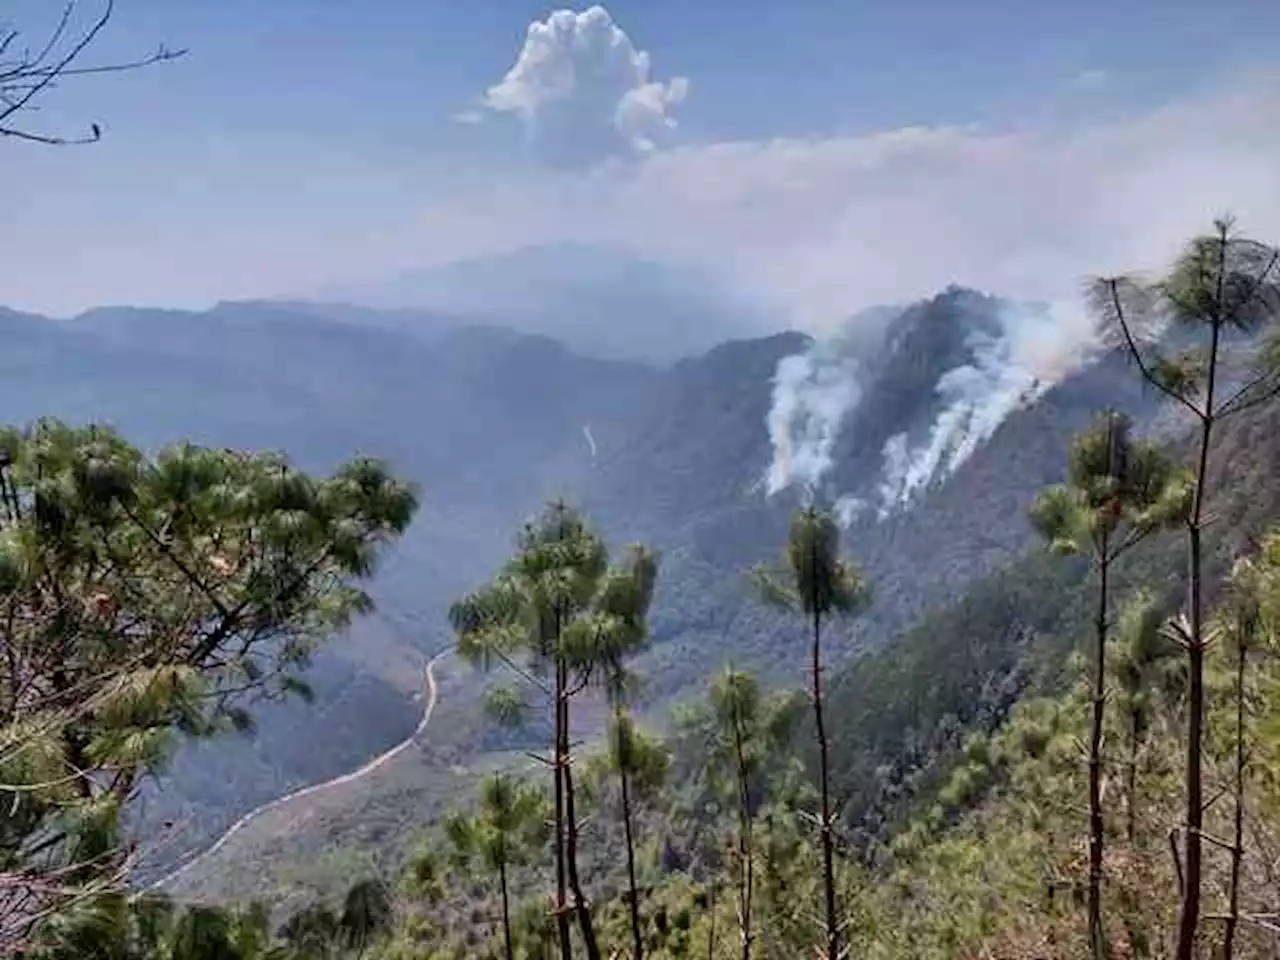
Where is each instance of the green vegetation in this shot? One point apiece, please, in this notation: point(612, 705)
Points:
point(1117, 494)
point(509, 822)
point(981, 788)
point(820, 585)
point(145, 598)
point(1221, 286)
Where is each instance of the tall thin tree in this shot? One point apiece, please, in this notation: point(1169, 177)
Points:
point(548, 613)
point(1143, 674)
point(1118, 492)
point(509, 822)
point(736, 708)
point(817, 583)
point(1221, 290)
point(640, 765)
point(619, 630)
point(1253, 584)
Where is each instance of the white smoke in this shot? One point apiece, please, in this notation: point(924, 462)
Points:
point(812, 393)
point(591, 441)
point(849, 508)
point(897, 468)
point(1034, 350)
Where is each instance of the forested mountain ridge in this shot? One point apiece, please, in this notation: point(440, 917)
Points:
point(716, 522)
point(950, 722)
point(491, 422)
point(550, 599)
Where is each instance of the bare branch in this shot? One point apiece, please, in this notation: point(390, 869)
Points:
point(25, 79)
point(1114, 311)
point(1241, 399)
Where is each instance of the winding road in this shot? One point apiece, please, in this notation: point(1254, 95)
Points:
point(378, 761)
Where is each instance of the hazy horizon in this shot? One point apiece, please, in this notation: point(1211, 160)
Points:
point(812, 159)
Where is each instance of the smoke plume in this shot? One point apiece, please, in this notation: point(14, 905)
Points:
point(812, 393)
point(1035, 349)
point(1032, 349)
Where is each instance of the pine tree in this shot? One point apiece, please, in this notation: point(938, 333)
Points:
point(1224, 288)
point(146, 598)
point(817, 583)
point(640, 765)
point(736, 706)
point(1117, 493)
point(556, 609)
point(620, 631)
point(509, 823)
point(1142, 668)
point(1244, 614)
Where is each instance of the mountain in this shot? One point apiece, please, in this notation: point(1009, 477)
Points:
point(600, 301)
point(491, 421)
point(487, 420)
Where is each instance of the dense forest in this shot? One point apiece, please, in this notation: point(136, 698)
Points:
point(1100, 715)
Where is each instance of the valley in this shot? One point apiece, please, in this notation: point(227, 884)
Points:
point(490, 423)
point(659, 482)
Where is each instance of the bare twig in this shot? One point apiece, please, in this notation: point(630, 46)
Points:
point(25, 79)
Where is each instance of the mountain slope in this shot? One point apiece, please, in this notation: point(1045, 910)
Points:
point(491, 422)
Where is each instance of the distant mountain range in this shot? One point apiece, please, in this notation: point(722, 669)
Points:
point(601, 301)
point(491, 421)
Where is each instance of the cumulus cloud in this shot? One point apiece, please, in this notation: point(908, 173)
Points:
point(583, 91)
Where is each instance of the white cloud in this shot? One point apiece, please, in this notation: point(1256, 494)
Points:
point(468, 117)
point(583, 90)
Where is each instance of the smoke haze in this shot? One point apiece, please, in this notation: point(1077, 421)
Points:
point(1030, 349)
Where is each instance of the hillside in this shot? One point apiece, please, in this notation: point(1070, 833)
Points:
point(491, 422)
point(963, 667)
point(678, 464)
point(971, 624)
point(904, 715)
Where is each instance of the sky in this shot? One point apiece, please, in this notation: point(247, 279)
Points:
point(822, 155)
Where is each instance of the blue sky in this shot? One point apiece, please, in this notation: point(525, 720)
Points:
point(302, 143)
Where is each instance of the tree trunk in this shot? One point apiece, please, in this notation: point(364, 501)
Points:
point(581, 906)
point(506, 910)
point(746, 855)
point(1190, 919)
point(1237, 835)
point(1194, 782)
point(636, 933)
point(711, 932)
point(1131, 777)
point(1097, 932)
point(559, 763)
point(828, 840)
